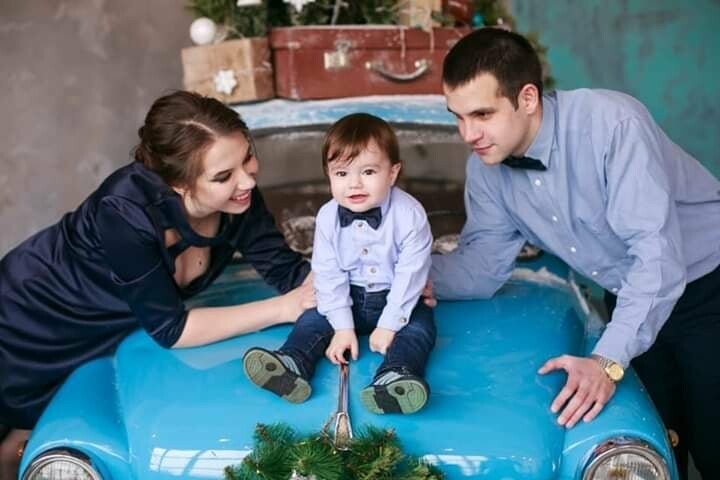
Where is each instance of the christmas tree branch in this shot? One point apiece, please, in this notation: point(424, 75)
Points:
point(375, 454)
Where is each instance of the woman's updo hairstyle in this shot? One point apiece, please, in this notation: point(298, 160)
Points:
point(179, 128)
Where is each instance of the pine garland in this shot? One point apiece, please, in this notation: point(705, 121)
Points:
point(332, 12)
point(250, 21)
point(279, 453)
point(494, 12)
point(254, 21)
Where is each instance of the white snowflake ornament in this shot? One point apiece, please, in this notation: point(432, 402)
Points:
point(225, 81)
point(298, 4)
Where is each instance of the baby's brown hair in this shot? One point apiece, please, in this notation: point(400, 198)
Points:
point(347, 137)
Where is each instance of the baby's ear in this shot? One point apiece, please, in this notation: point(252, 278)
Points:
point(395, 171)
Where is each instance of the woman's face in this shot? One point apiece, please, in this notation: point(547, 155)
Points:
point(229, 171)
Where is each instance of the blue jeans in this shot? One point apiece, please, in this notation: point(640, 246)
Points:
point(408, 352)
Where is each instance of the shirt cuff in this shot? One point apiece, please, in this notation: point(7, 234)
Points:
point(393, 319)
point(614, 348)
point(341, 318)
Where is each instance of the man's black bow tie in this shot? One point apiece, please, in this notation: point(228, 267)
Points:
point(373, 216)
point(524, 162)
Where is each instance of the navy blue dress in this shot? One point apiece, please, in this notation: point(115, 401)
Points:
point(73, 291)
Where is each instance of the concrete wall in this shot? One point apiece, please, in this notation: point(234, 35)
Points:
point(663, 52)
point(76, 79)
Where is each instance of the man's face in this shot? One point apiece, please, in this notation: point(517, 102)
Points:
point(489, 122)
point(365, 181)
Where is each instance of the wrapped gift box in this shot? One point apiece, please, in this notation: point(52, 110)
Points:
point(231, 71)
point(418, 13)
point(347, 61)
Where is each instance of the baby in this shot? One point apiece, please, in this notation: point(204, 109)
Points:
point(370, 261)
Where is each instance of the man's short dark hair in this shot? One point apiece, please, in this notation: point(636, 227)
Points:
point(508, 56)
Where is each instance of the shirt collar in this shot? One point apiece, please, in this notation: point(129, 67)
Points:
point(542, 144)
point(385, 205)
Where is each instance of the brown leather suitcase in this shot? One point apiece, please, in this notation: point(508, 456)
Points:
point(347, 61)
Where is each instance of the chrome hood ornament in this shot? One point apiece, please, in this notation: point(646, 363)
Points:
point(340, 420)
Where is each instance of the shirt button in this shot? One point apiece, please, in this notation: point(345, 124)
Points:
point(614, 290)
point(537, 183)
point(554, 218)
point(371, 285)
point(594, 273)
point(359, 224)
point(373, 270)
point(403, 320)
point(364, 251)
point(573, 249)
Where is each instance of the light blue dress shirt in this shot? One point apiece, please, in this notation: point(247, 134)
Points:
point(394, 257)
point(619, 202)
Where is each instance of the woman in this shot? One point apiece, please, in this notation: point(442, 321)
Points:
point(155, 233)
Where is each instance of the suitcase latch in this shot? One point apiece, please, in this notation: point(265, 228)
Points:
point(339, 58)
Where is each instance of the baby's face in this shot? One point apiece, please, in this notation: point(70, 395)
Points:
point(365, 181)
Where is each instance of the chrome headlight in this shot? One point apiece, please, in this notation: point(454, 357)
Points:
point(625, 459)
point(61, 465)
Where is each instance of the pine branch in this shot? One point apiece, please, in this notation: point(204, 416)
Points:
point(278, 434)
point(251, 21)
point(493, 11)
point(375, 454)
point(415, 469)
point(316, 456)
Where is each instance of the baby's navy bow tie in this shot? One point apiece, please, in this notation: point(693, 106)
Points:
point(373, 217)
point(527, 163)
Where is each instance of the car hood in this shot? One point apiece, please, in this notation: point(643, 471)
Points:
point(193, 412)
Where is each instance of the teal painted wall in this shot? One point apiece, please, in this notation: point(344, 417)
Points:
point(666, 53)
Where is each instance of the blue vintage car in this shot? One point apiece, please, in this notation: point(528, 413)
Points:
point(152, 413)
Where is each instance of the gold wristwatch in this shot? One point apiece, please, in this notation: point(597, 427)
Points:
point(614, 370)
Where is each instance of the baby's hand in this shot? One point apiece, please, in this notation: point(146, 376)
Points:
point(342, 340)
point(380, 340)
point(428, 296)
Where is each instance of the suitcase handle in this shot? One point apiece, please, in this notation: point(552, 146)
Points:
point(421, 67)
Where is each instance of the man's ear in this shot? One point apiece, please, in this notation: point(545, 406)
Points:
point(529, 99)
point(395, 171)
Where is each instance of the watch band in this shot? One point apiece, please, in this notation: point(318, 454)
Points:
point(613, 370)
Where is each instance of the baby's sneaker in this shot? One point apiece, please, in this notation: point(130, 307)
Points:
point(395, 392)
point(277, 373)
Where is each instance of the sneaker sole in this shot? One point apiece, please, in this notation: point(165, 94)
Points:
point(266, 371)
point(401, 396)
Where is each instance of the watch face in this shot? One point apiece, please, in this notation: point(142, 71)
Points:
point(615, 372)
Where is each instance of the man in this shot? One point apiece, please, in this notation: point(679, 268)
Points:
point(589, 176)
